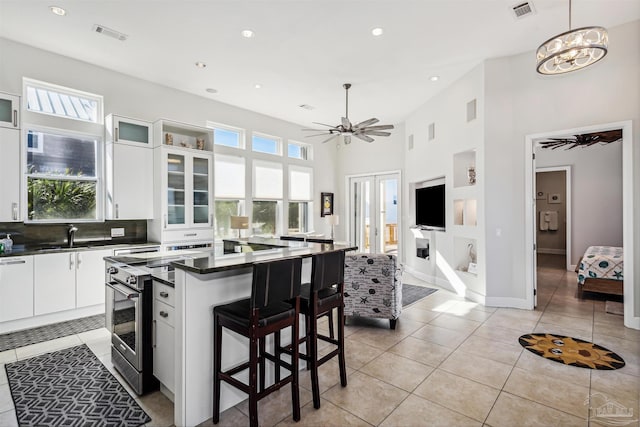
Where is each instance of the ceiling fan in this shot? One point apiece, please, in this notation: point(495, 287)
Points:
point(584, 140)
point(363, 130)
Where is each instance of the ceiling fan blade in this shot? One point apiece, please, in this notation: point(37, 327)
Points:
point(346, 124)
point(379, 127)
point(363, 137)
point(317, 130)
point(375, 133)
point(331, 137)
point(324, 124)
point(366, 123)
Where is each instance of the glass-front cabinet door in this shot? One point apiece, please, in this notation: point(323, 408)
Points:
point(9, 111)
point(201, 190)
point(176, 191)
point(125, 130)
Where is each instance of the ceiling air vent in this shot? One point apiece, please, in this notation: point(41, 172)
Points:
point(522, 10)
point(101, 29)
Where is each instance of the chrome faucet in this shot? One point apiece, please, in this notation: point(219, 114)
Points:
point(71, 234)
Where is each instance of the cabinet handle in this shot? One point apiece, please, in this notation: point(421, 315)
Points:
point(153, 335)
point(70, 261)
point(164, 314)
point(190, 234)
point(78, 260)
point(211, 219)
point(14, 211)
point(13, 262)
point(117, 210)
point(164, 294)
point(117, 135)
point(15, 118)
point(165, 220)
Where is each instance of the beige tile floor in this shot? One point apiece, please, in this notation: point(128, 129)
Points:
point(450, 362)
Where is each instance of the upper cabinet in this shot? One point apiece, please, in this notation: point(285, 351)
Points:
point(9, 111)
point(182, 135)
point(128, 168)
point(124, 130)
point(10, 149)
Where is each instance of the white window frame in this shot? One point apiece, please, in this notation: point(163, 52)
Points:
point(307, 147)
point(242, 138)
point(99, 179)
point(277, 140)
point(37, 84)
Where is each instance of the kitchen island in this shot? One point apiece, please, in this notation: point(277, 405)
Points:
point(203, 281)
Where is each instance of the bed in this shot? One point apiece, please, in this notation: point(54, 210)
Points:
point(601, 269)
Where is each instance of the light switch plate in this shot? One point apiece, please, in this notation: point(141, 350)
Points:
point(117, 232)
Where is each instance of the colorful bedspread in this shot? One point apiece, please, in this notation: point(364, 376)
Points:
point(602, 262)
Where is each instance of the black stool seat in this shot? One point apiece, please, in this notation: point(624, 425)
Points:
point(237, 311)
point(325, 296)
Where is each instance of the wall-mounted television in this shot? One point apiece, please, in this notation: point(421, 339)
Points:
point(430, 207)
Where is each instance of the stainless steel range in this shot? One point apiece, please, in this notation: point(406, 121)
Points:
point(129, 313)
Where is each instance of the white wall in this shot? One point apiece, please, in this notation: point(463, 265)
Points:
point(132, 97)
point(521, 102)
point(596, 194)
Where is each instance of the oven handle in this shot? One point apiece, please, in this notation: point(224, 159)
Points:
point(123, 290)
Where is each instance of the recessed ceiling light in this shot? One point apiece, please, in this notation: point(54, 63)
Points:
point(257, 86)
point(200, 64)
point(211, 90)
point(58, 10)
point(247, 34)
point(434, 78)
point(377, 31)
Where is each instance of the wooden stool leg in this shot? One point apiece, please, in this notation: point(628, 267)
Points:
point(295, 386)
point(307, 326)
point(341, 358)
point(217, 367)
point(262, 362)
point(330, 317)
point(312, 339)
point(277, 350)
point(253, 382)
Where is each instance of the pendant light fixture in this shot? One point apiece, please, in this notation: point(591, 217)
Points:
point(572, 50)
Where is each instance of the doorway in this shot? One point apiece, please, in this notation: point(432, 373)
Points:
point(375, 212)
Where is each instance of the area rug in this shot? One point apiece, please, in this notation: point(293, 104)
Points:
point(614, 307)
point(571, 351)
point(70, 387)
point(50, 332)
point(413, 293)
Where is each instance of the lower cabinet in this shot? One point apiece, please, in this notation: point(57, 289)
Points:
point(16, 288)
point(68, 280)
point(164, 335)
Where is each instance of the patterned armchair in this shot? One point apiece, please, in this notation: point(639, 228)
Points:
point(372, 287)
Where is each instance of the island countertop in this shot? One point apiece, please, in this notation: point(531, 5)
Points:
point(207, 262)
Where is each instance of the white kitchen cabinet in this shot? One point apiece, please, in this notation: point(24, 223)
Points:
point(10, 175)
point(129, 181)
point(68, 280)
point(54, 282)
point(90, 277)
point(125, 130)
point(164, 339)
point(9, 111)
point(16, 288)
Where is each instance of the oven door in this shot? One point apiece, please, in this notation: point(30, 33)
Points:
point(126, 315)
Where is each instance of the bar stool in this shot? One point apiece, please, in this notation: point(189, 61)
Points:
point(274, 305)
point(317, 299)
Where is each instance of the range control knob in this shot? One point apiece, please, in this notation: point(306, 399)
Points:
point(132, 280)
point(112, 270)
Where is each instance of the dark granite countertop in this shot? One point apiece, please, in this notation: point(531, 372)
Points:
point(22, 250)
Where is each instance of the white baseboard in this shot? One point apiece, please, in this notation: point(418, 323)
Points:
point(475, 297)
point(508, 302)
point(47, 319)
point(439, 281)
point(551, 251)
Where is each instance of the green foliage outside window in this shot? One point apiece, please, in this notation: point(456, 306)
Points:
point(61, 199)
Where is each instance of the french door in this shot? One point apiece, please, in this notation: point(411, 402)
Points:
point(374, 212)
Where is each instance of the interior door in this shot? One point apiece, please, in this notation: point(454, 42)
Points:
point(374, 213)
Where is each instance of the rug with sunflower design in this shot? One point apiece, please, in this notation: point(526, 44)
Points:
point(571, 351)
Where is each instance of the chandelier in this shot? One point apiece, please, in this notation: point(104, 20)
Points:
point(572, 50)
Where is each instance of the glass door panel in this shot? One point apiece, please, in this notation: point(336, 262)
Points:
point(200, 190)
point(361, 214)
point(6, 110)
point(175, 189)
point(133, 132)
point(388, 214)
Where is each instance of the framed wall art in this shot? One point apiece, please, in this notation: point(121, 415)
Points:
point(327, 204)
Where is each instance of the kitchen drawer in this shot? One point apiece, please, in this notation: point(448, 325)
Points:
point(188, 234)
point(163, 312)
point(164, 293)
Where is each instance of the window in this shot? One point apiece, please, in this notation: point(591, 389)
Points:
point(266, 144)
point(300, 197)
point(227, 136)
point(298, 150)
point(268, 194)
point(229, 192)
point(62, 176)
point(64, 102)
